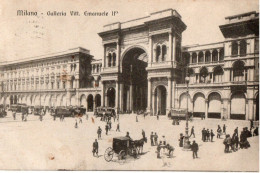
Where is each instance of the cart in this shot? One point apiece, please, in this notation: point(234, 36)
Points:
point(122, 147)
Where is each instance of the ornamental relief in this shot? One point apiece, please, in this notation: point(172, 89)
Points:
point(156, 83)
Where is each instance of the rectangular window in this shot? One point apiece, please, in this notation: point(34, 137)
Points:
point(256, 45)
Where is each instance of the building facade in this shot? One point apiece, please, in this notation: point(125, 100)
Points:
point(59, 79)
point(145, 67)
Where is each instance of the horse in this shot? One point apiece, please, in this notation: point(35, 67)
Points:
point(140, 144)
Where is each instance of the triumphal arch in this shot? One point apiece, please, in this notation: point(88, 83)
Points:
point(142, 62)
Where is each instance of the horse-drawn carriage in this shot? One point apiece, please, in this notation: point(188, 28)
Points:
point(63, 111)
point(179, 114)
point(123, 147)
point(107, 111)
point(38, 110)
point(3, 113)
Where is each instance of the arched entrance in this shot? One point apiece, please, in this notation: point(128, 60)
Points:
point(199, 105)
point(214, 109)
point(11, 100)
point(98, 100)
point(238, 106)
point(134, 77)
point(73, 101)
point(90, 103)
point(83, 101)
point(15, 99)
point(183, 102)
point(111, 95)
point(160, 100)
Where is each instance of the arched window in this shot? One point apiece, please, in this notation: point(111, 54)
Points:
point(221, 54)
point(218, 74)
point(238, 71)
point(201, 57)
point(243, 48)
point(215, 55)
point(158, 52)
point(164, 52)
point(203, 75)
point(94, 69)
point(114, 59)
point(207, 56)
point(109, 60)
point(234, 50)
point(97, 68)
point(194, 58)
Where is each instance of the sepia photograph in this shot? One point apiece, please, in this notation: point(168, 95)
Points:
point(129, 85)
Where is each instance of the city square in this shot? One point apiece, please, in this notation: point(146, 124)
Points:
point(55, 145)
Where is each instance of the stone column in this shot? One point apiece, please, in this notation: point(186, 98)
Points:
point(218, 54)
point(106, 104)
point(102, 93)
point(150, 58)
point(207, 105)
point(251, 109)
point(131, 97)
point(104, 58)
point(204, 56)
point(210, 55)
point(94, 103)
point(121, 97)
point(226, 107)
point(173, 95)
point(149, 95)
point(170, 47)
point(255, 110)
point(174, 48)
point(197, 53)
point(153, 103)
point(169, 94)
point(117, 96)
point(118, 54)
point(190, 57)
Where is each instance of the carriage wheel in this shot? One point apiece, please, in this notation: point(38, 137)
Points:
point(109, 154)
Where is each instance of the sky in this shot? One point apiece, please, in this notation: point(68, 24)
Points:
point(28, 36)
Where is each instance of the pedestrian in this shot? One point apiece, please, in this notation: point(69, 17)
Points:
point(192, 132)
point(76, 124)
point(203, 134)
point(208, 135)
point(170, 149)
point(117, 127)
point(211, 135)
point(157, 116)
point(99, 131)
point(22, 116)
point(163, 141)
point(227, 143)
point(251, 124)
point(181, 140)
point(143, 133)
point(234, 141)
point(54, 117)
point(14, 115)
point(109, 125)
point(136, 119)
point(255, 133)
point(114, 117)
point(80, 120)
point(195, 149)
point(224, 129)
point(86, 116)
point(159, 150)
point(25, 117)
point(106, 128)
point(219, 131)
point(151, 138)
point(95, 148)
point(40, 117)
point(155, 139)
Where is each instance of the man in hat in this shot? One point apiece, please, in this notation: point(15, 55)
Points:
point(195, 149)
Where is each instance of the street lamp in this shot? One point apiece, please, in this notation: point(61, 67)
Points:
point(186, 137)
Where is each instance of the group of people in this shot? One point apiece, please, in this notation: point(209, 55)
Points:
point(207, 135)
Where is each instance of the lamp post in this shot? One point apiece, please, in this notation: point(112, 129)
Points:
point(186, 137)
